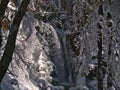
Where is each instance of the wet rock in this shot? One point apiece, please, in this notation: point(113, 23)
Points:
point(57, 88)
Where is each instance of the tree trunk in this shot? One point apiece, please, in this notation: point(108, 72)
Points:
point(99, 55)
point(10, 46)
point(3, 6)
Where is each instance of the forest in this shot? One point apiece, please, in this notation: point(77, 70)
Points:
point(59, 44)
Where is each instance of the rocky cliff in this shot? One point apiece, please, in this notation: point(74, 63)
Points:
point(58, 46)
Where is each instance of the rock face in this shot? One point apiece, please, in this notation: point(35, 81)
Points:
point(57, 42)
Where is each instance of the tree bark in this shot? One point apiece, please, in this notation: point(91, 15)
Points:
point(3, 6)
point(100, 74)
point(10, 46)
point(99, 56)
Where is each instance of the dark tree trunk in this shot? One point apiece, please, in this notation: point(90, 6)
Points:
point(3, 7)
point(10, 46)
point(99, 55)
